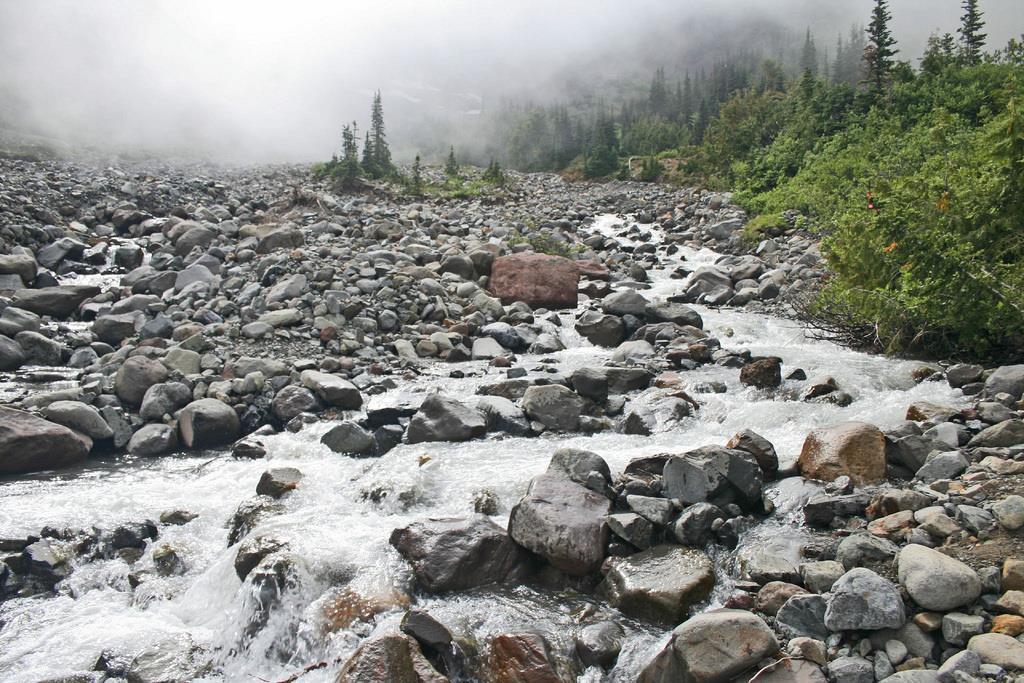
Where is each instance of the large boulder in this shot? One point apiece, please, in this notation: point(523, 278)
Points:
point(853, 449)
point(207, 423)
point(393, 657)
point(660, 584)
point(998, 649)
point(563, 522)
point(936, 581)
point(441, 418)
point(714, 647)
point(56, 302)
point(1005, 433)
point(600, 329)
point(459, 554)
point(32, 444)
point(713, 474)
point(80, 417)
point(333, 390)
point(293, 401)
point(762, 373)
point(134, 378)
point(1008, 379)
point(556, 407)
point(861, 600)
point(538, 280)
point(12, 356)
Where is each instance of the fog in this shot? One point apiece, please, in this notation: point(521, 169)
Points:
point(261, 80)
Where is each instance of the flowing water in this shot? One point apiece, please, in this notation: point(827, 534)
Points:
point(339, 519)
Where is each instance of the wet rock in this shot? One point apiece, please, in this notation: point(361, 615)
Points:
point(32, 444)
point(278, 481)
point(80, 417)
point(441, 418)
point(48, 561)
point(760, 448)
point(251, 552)
point(861, 600)
point(153, 439)
point(694, 525)
point(853, 449)
point(601, 330)
point(539, 280)
point(563, 522)
point(351, 439)
point(207, 423)
point(555, 406)
point(174, 658)
point(762, 373)
point(660, 584)
point(11, 355)
point(936, 581)
point(395, 658)
point(458, 554)
point(713, 647)
point(504, 416)
point(774, 594)
point(249, 514)
point(713, 474)
point(582, 467)
point(134, 378)
point(433, 636)
point(821, 509)
point(599, 644)
point(522, 658)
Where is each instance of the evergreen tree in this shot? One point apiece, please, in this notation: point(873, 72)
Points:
point(658, 97)
point(348, 167)
point(878, 55)
point(416, 184)
point(369, 164)
point(971, 37)
point(940, 53)
point(381, 154)
point(494, 174)
point(809, 55)
point(451, 166)
point(602, 155)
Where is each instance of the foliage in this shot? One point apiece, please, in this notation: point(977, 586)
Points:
point(544, 244)
point(376, 153)
point(493, 174)
point(972, 40)
point(451, 166)
point(879, 53)
point(416, 178)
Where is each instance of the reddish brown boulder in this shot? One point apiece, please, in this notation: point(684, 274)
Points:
point(522, 658)
point(855, 449)
point(593, 270)
point(539, 280)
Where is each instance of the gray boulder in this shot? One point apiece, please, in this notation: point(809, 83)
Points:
point(563, 522)
point(207, 423)
point(936, 581)
point(713, 647)
point(861, 600)
point(333, 390)
point(556, 407)
point(713, 474)
point(441, 418)
point(80, 417)
point(460, 554)
point(351, 439)
point(1008, 379)
point(153, 439)
point(659, 584)
point(32, 444)
point(162, 399)
point(134, 378)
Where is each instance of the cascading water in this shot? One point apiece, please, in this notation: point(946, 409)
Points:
point(337, 523)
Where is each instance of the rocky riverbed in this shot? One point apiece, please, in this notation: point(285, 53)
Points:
point(254, 428)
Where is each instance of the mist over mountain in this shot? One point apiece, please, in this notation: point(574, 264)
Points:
point(272, 81)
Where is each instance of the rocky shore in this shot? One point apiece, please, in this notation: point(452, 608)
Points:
point(154, 312)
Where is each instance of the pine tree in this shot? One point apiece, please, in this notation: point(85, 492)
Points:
point(348, 167)
point(494, 174)
point(658, 97)
point(451, 166)
point(381, 154)
point(368, 164)
point(971, 37)
point(416, 184)
point(809, 55)
point(878, 55)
